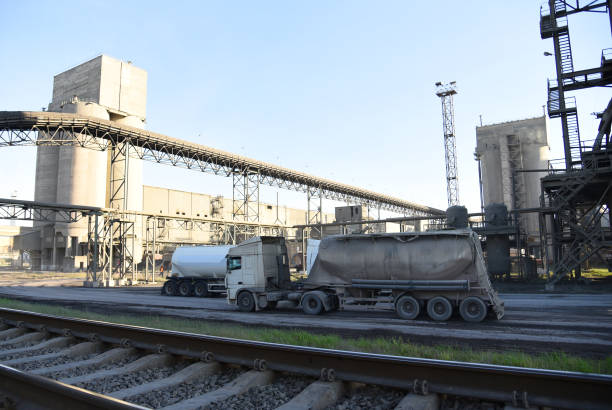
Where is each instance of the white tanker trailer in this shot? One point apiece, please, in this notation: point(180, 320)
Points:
point(197, 270)
point(438, 272)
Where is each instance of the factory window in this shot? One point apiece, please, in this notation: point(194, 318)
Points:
point(233, 263)
point(269, 206)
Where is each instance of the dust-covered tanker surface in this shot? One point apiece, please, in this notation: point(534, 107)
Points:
point(394, 256)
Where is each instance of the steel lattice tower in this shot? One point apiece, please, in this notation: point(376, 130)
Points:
point(446, 92)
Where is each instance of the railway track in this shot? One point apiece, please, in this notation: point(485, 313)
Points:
point(56, 362)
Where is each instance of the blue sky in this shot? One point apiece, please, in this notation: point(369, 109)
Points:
point(339, 89)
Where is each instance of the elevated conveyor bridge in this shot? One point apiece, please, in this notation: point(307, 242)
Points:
point(49, 128)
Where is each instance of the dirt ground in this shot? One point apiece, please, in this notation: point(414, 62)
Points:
point(577, 321)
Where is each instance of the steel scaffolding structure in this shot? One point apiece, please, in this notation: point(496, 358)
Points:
point(575, 200)
point(446, 92)
point(110, 233)
point(48, 128)
point(16, 209)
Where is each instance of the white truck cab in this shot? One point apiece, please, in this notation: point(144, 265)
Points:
point(257, 273)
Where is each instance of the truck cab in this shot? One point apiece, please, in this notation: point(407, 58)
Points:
point(257, 273)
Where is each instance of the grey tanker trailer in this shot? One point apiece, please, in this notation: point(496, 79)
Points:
point(197, 271)
point(437, 272)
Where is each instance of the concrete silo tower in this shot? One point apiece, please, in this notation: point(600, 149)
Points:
point(107, 89)
point(505, 151)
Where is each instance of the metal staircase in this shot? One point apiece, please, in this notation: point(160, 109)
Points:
point(572, 184)
point(575, 200)
point(588, 238)
point(553, 24)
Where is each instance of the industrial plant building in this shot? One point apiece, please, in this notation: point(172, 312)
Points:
point(513, 156)
point(113, 90)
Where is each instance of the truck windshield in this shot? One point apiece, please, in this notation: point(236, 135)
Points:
point(233, 263)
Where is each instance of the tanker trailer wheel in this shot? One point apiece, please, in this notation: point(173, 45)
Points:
point(439, 308)
point(200, 289)
point(311, 304)
point(245, 301)
point(473, 309)
point(169, 288)
point(407, 307)
point(185, 288)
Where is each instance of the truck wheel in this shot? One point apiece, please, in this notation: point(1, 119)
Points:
point(169, 288)
point(311, 304)
point(407, 307)
point(245, 302)
point(473, 309)
point(439, 308)
point(200, 289)
point(185, 288)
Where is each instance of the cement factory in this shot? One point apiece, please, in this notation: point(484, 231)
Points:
point(92, 213)
point(119, 294)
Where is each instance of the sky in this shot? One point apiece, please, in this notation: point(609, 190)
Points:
point(339, 89)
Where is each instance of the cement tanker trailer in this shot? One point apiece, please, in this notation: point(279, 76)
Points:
point(437, 272)
point(197, 271)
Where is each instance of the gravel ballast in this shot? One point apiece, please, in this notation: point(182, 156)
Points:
point(54, 362)
point(123, 381)
point(265, 397)
point(184, 391)
point(30, 353)
point(369, 398)
point(79, 371)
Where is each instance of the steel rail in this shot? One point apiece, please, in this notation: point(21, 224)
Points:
point(48, 128)
point(26, 390)
point(520, 386)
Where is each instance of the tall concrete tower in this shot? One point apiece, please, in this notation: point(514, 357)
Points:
point(505, 150)
point(103, 88)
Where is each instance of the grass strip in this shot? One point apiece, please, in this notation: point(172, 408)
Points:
point(554, 360)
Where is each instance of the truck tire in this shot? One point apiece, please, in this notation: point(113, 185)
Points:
point(200, 289)
point(245, 301)
point(311, 304)
point(185, 288)
point(407, 307)
point(439, 308)
point(473, 309)
point(169, 288)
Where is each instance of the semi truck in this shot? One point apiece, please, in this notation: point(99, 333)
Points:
point(437, 272)
point(197, 271)
point(200, 270)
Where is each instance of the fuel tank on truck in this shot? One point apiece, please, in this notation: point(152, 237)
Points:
point(436, 255)
point(200, 261)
